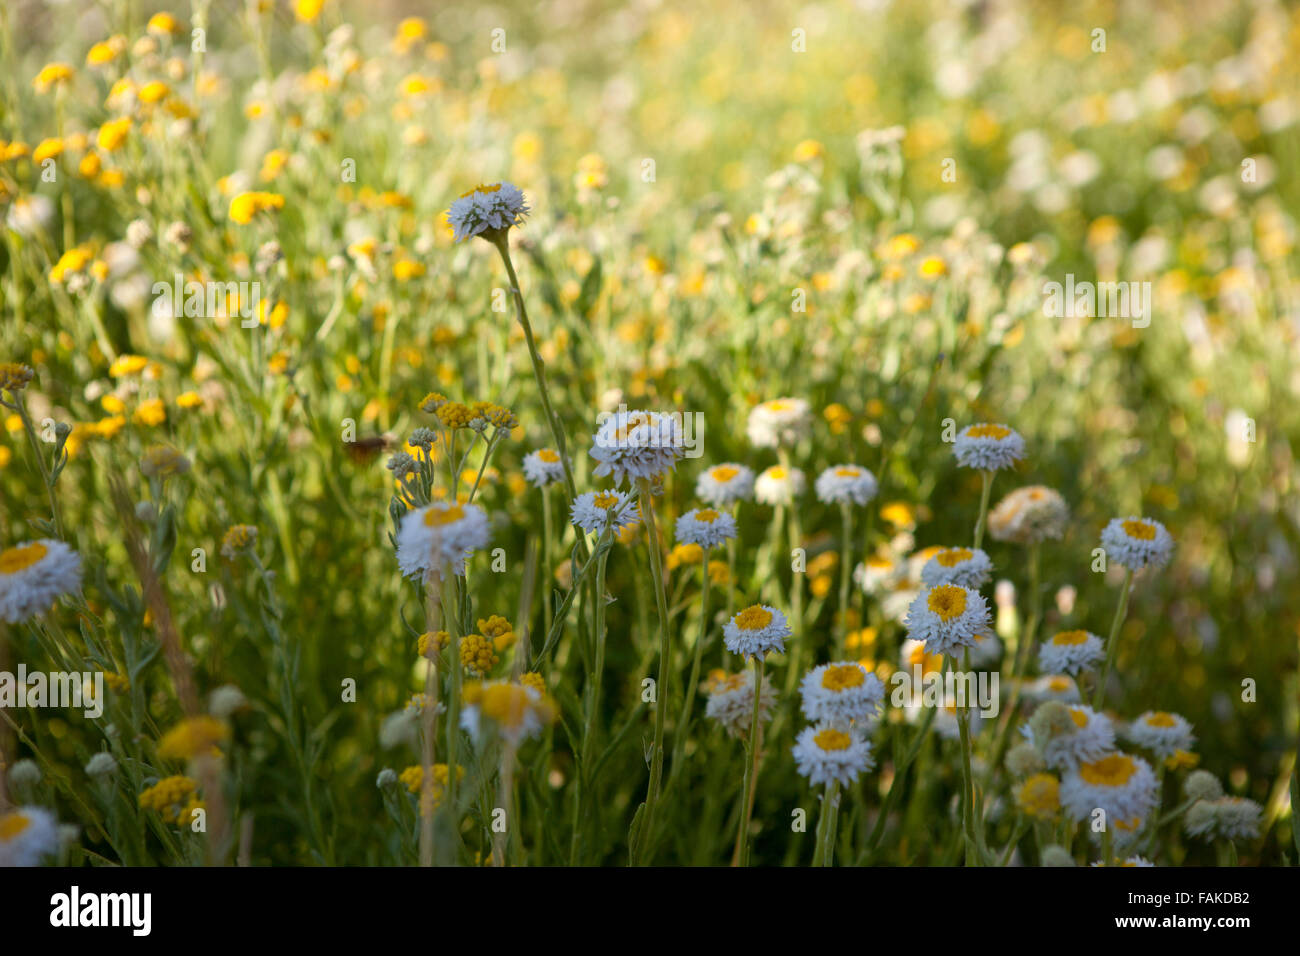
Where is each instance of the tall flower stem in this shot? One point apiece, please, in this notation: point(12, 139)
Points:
point(1112, 642)
point(683, 725)
point(593, 701)
point(451, 622)
point(846, 536)
point(968, 789)
point(751, 769)
point(545, 562)
point(1024, 645)
point(824, 855)
point(986, 480)
point(646, 831)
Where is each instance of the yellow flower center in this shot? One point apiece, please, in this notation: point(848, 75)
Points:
point(12, 824)
point(1112, 771)
point(777, 472)
point(437, 517)
point(505, 703)
point(481, 189)
point(951, 557)
point(832, 739)
point(1070, 637)
point(723, 473)
point(847, 471)
point(948, 601)
point(988, 431)
point(605, 500)
point(1080, 717)
point(843, 677)
point(1139, 530)
point(754, 618)
point(22, 557)
point(1059, 685)
point(1161, 719)
point(707, 515)
point(777, 405)
point(548, 456)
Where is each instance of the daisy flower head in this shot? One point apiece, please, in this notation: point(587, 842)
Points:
point(824, 754)
point(779, 485)
point(842, 693)
point(1039, 797)
point(1137, 542)
point(986, 651)
point(731, 701)
point(1069, 735)
point(947, 618)
point(1160, 732)
point(724, 485)
point(846, 484)
point(488, 211)
point(988, 447)
point(637, 444)
point(1225, 818)
point(594, 511)
point(543, 467)
point(780, 422)
point(1070, 652)
point(516, 711)
point(756, 632)
point(1061, 687)
point(439, 537)
point(1122, 785)
point(705, 527)
point(1029, 515)
point(34, 575)
point(968, 567)
point(27, 836)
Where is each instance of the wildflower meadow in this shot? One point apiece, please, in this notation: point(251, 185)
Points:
point(700, 435)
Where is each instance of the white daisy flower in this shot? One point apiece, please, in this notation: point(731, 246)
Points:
point(724, 485)
point(877, 574)
point(27, 836)
point(1070, 652)
point(988, 447)
point(34, 575)
point(842, 693)
point(1138, 861)
point(1050, 687)
point(946, 723)
point(846, 483)
point(779, 485)
point(756, 632)
point(782, 421)
point(542, 467)
point(636, 444)
point(731, 701)
point(1067, 736)
point(1029, 515)
point(823, 754)
point(593, 511)
point(947, 618)
point(1227, 818)
point(1137, 542)
point(706, 527)
point(969, 567)
point(1122, 785)
point(986, 651)
point(487, 211)
point(1160, 732)
point(439, 537)
point(515, 711)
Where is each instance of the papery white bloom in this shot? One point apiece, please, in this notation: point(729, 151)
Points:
point(988, 447)
point(1029, 515)
point(731, 701)
point(1160, 732)
point(724, 485)
point(33, 575)
point(946, 721)
point(515, 711)
point(782, 421)
point(706, 527)
point(487, 209)
point(756, 632)
point(593, 511)
point(986, 651)
point(1137, 542)
point(1227, 818)
point(439, 537)
point(842, 693)
point(968, 567)
point(779, 485)
point(1070, 652)
point(824, 754)
point(1049, 687)
point(947, 618)
point(877, 574)
point(846, 483)
point(1122, 785)
point(27, 836)
point(1078, 736)
point(636, 444)
point(542, 467)
point(30, 215)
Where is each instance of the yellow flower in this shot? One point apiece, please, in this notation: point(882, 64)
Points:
point(1039, 796)
point(247, 205)
point(477, 654)
point(15, 376)
point(47, 149)
point(189, 400)
point(307, 10)
point(105, 51)
point(150, 412)
point(273, 163)
point(127, 365)
point(809, 150)
point(90, 165)
point(51, 74)
point(155, 91)
point(193, 737)
point(407, 269)
point(163, 24)
point(72, 261)
point(173, 797)
point(113, 133)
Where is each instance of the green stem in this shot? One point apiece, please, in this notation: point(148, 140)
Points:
point(1112, 642)
point(986, 479)
point(846, 520)
point(646, 832)
point(751, 768)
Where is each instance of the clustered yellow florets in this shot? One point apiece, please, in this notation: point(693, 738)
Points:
point(14, 376)
point(176, 798)
point(413, 778)
point(477, 654)
point(194, 737)
point(497, 629)
point(433, 641)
